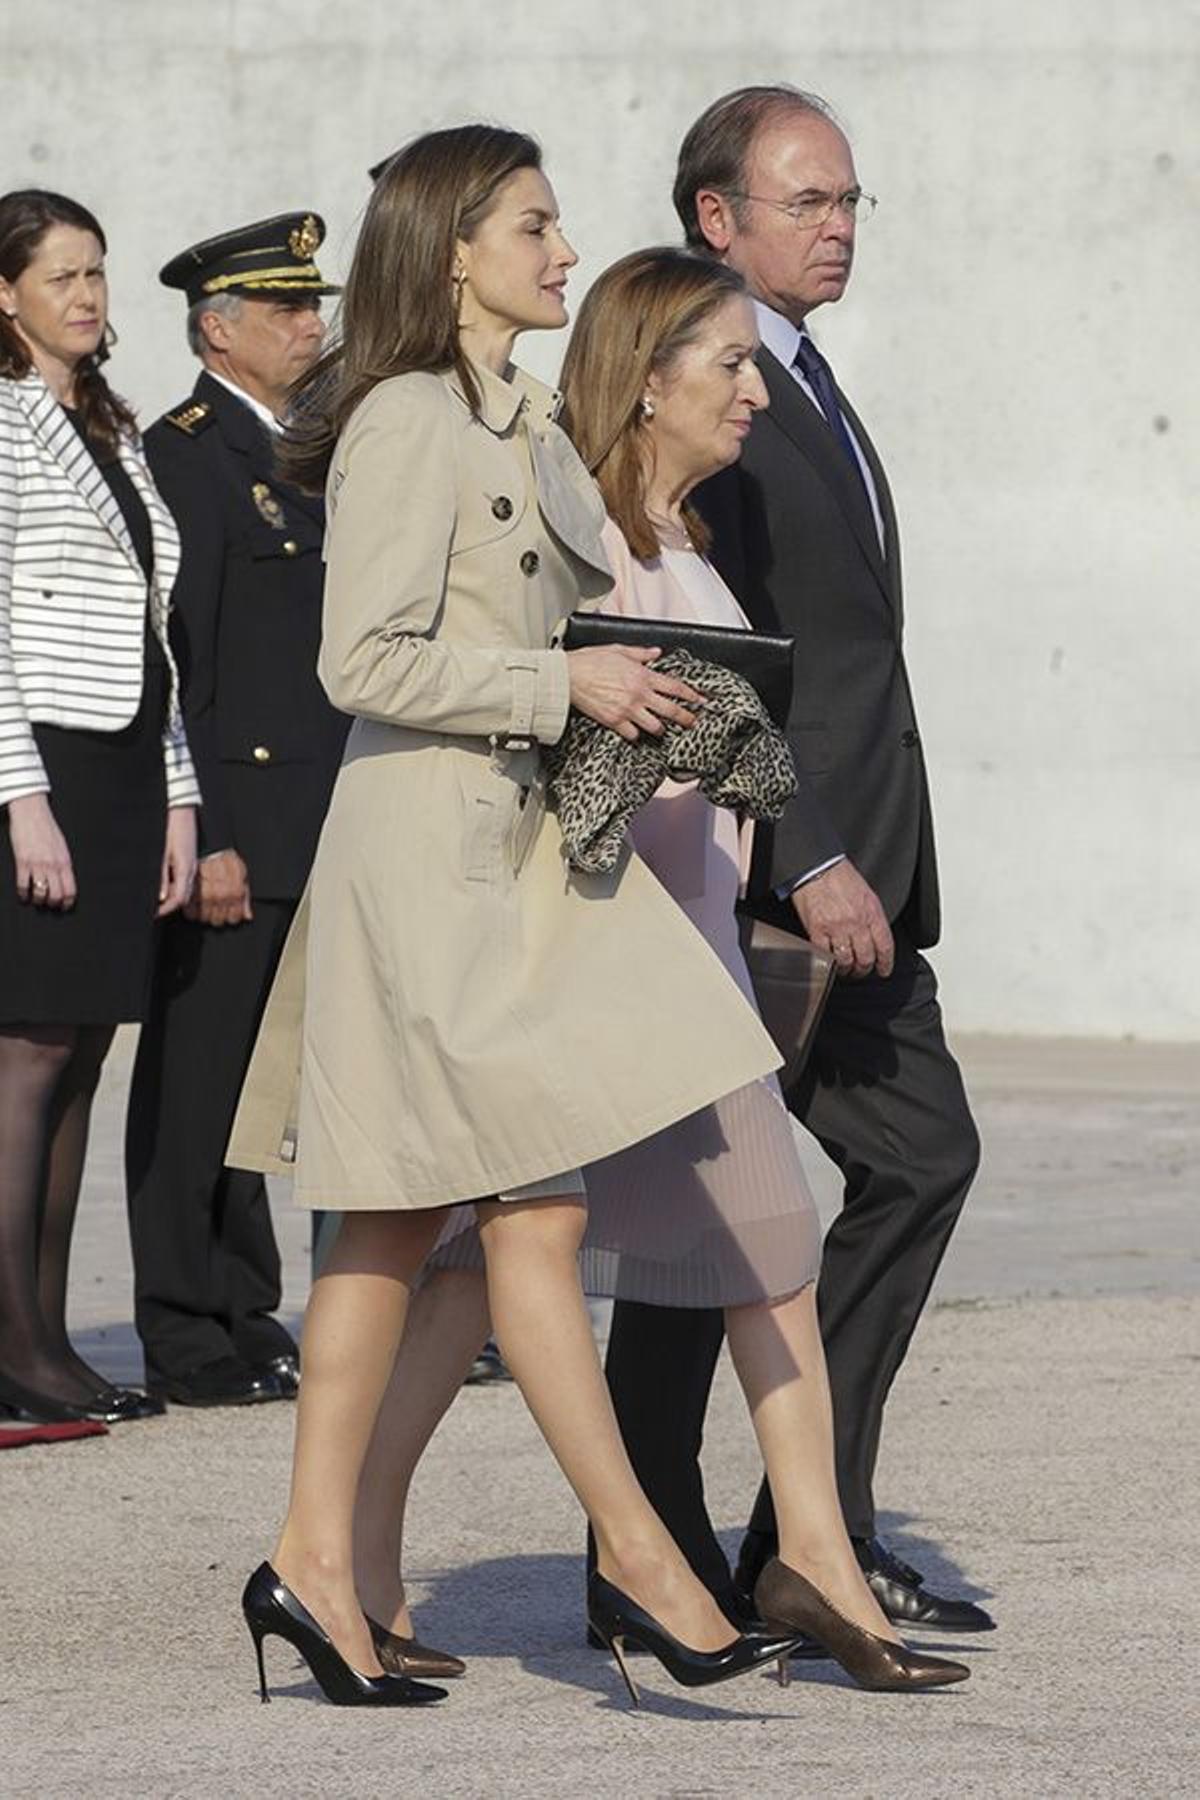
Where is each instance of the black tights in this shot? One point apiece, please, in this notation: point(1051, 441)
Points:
point(48, 1077)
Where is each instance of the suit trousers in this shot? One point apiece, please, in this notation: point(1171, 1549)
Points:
point(205, 1261)
point(884, 1098)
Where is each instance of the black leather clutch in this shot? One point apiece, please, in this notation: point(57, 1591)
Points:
point(764, 661)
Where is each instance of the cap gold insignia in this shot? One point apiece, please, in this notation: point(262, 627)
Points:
point(268, 505)
point(305, 239)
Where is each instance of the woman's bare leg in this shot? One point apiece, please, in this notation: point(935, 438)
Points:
point(780, 1362)
point(447, 1322)
point(541, 1323)
point(352, 1331)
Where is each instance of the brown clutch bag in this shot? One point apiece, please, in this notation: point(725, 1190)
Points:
point(791, 981)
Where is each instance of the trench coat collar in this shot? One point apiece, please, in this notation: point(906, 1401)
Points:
point(502, 401)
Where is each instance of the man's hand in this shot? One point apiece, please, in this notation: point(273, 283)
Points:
point(222, 892)
point(840, 912)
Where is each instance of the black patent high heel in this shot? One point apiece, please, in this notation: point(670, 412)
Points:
point(616, 1618)
point(271, 1608)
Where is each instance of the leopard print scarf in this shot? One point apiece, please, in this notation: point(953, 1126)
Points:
point(597, 780)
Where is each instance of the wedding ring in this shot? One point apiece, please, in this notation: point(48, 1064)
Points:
point(41, 885)
point(841, 949)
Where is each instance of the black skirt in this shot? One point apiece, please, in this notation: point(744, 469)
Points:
point(108, 793)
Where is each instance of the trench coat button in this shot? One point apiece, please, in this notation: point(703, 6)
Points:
point(290, 547)
point(908, 739)
point(531, 562)
point(502, 507)
point(261, 753)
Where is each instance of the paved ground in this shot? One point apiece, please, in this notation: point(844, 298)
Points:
point(1040, 1450)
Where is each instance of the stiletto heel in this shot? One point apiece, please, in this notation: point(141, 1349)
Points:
point(788, 1600)
point(270, 1608)
point(262, 1667)
point(617, 1619)
point(617, 1646)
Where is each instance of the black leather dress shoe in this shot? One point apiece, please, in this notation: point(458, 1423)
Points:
point(489, 1366)
point(226, 1382)
point(901, 1592)
point(286, 1370)
point(118, 1405)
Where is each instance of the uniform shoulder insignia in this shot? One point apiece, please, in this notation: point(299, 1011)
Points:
point(191, 418)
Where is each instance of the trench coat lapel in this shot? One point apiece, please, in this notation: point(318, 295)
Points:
point(568, 499)
point(55, 432)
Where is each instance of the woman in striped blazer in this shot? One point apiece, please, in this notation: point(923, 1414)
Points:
point(95, 778)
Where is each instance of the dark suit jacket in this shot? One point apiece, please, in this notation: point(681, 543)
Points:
point(795, 539)
point(246, 627)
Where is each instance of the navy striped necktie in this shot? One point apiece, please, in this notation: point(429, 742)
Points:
point(819, 376)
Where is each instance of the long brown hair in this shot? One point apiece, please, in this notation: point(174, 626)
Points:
point(26, 215)
point(635, 320)
point(398, 311)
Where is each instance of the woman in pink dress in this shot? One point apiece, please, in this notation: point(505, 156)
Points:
point(661, 387)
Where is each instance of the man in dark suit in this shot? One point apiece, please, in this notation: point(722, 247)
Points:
point(805, 534)
point(267, 744)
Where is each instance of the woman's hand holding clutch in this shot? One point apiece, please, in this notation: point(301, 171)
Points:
point(616, 685)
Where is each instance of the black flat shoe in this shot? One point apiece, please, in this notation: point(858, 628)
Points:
point(113, 1405)
point(901, 1592)
point(620, 1621)
point(272, 1610)
point(227, 1382)
point(32, 1408)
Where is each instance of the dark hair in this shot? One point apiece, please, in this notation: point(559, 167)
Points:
point(635, 320)
point(398, 311)
point(26, 215)
point(714, 152)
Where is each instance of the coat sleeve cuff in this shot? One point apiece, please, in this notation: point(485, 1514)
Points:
point(541, 695)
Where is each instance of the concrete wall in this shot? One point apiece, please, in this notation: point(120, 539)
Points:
point(1021, 335)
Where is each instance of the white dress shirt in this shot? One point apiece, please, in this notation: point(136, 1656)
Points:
point(261, 412)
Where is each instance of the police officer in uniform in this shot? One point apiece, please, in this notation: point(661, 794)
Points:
point(267, 744)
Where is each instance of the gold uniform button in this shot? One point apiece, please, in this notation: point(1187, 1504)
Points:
point(290, 547)
point(261, 753)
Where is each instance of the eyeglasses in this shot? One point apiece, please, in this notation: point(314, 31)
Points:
point(811, 210)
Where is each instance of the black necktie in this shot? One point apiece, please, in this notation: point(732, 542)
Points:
point(819, 376)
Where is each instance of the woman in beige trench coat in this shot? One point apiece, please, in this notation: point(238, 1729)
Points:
point(476, 1021)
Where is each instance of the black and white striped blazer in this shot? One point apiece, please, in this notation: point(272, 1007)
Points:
point(73, 594)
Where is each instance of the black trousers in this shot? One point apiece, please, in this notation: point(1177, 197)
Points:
point(884, 1098)
point(205, 1261)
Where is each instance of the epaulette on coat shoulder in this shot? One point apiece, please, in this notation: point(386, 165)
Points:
point(193, 417)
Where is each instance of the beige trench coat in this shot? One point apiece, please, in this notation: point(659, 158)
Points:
point(460, 1014)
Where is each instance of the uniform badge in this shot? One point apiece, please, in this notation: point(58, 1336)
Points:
point(305, 239)
point(268, 506)
point(191, 417)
